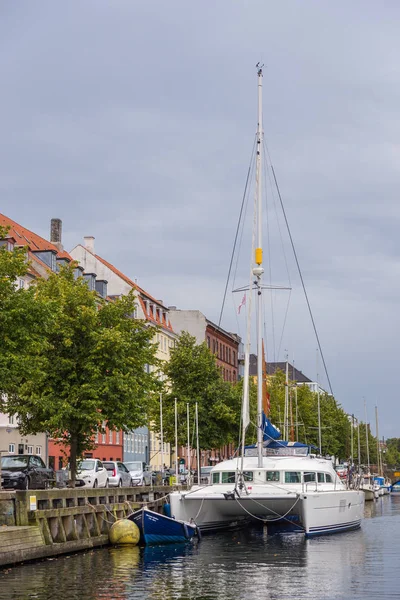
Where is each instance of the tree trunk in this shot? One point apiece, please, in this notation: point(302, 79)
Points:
point(72, 457)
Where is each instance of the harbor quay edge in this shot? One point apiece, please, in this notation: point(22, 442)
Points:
point(36, 524)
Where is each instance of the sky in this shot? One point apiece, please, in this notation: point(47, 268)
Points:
point(134, 122)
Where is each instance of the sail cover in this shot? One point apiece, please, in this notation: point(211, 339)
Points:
point(270, 432)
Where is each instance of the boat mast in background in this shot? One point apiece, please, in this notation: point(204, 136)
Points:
point(258, 269)
point(176, 441)
point(378, 446)
point(162, 436)
point(197, 443)
point(319, 410)
point(286, 415)
point(188, 440)
point(366, 434)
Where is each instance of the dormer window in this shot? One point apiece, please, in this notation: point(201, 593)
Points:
point(78, 272)
point(101, 287)
point(90, 278)
point(49, 257)
point(61, 262)
point(9, 244)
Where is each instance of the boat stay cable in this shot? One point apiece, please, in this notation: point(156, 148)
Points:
point(300, 275)
point(237, 232)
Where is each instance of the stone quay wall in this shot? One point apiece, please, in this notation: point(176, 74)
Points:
point(41, 523)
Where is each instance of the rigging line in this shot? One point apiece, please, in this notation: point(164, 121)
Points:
point(276, 213)
point(284, 322)
point(236, 236)
point(302, 280)
point(252, 163)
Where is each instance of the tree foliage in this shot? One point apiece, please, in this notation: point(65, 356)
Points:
point(194, 376)
point(336, 427)
point(22, 323)
point(92, 366)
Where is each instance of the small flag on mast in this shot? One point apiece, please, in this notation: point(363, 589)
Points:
point(243, 302)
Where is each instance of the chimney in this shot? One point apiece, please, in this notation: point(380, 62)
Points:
point(89, 243)
point(55, 233)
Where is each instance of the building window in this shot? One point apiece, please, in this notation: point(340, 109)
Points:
point(11, 419)
point(30, 449)
point(11, 448)
point(103, 438)
point(229, 355)
point(38, 450)
point(117, 437)
point(234, 356)
point(208, 341)
point(110, 436)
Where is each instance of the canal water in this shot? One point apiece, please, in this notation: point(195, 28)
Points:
point(245, 565)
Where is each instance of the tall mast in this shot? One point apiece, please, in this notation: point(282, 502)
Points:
point(378, 446)
point(258, 269)
point(188, 439)
point(176, 442)
point(162, 435)
point(366, 434)
point(286, 417)
point(319, 411)
point(352, 440)
point(197, 444)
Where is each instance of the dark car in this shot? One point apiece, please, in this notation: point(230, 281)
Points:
point(24, 472)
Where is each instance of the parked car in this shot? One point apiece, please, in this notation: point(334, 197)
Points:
point(342, 471)
point(92, 472)
point(25, 472)
point(138, 472)
point(118, 474)
point(205, 475)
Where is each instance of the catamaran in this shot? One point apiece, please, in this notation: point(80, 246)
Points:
point(274, 481)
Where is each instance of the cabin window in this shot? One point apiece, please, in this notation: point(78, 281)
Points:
point(309, 477)
point(321, 477)
point(292, 477)
point(328, 478)
point(228, 477)
point(248, 475)
point(273, 476)
point(215, 477)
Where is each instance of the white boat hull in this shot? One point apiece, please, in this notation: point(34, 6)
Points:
point(332, 512)
point(317, 513)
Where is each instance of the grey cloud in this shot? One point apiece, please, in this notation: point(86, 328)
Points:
point(134, 122)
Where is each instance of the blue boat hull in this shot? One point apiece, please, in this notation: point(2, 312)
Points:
point(159, 529)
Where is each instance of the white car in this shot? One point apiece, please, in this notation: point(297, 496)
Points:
point(139, 476)
point(92, 472)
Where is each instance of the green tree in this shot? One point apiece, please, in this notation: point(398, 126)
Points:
point(92, 368)
point(194, 376)
point(22, 323)
point(335, 425)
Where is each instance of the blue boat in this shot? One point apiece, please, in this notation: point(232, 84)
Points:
point(160, 529)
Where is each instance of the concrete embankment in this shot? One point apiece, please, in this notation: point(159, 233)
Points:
point(41, 523)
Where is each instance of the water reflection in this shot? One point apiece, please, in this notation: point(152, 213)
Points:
point(241, 565)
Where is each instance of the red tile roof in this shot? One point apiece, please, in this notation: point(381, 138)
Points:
point(142, 294)
point(24, 237)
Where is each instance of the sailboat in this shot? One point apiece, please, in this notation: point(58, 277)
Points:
point(274, 481)
point(382, 482)
point(367, 483)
